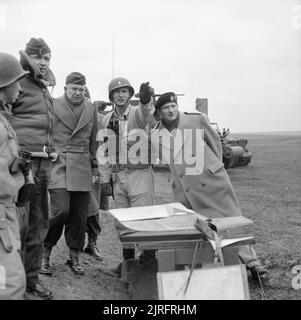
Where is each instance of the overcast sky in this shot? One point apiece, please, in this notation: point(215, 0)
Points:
point(243, 55)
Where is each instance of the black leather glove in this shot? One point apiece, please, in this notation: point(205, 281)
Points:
point(106, 189)
point(145, 93)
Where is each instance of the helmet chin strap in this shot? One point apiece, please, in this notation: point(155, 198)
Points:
point(7, 108)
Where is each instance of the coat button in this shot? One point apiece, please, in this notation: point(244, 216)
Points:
point(181, 175)
point(187, 189)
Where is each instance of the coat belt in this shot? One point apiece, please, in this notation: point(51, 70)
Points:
point(120, 167)
point(43, 149)
point(68, 147)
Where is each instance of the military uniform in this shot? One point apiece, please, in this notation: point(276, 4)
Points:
point(32, 120)
point(71, 174)
point(34, 107)
point(12, 274)
point(133, 183)
point(208, 190)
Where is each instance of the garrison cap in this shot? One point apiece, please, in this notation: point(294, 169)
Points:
point(76, 78)
point(166, 98)
point(37, 46)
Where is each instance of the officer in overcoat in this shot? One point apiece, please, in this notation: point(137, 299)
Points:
point(200, 181)
point(73, 172)
point(12, 274)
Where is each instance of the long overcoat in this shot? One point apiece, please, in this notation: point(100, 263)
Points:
point(77, 146)
point(206, 189)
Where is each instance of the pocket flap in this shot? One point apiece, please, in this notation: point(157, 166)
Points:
point(215, 166)
point(212, 162)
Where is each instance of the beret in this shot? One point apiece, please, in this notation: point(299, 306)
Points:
point(166, 98)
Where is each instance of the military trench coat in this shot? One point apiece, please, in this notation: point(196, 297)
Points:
point(208, 191)
point(77, 146)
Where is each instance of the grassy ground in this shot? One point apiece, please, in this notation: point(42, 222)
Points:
point(269, 192)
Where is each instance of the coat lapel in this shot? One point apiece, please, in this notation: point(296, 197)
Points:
point(64, 113)
point(85, 117)
point(165, 136)
point(180, 139)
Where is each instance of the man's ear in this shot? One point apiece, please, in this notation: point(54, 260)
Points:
point(65, 88)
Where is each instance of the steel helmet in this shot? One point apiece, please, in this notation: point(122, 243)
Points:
point(10, 69)
point(120, 82)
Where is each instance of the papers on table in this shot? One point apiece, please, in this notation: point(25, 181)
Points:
point(150, 212)
point(174, 223)
point(169, 217)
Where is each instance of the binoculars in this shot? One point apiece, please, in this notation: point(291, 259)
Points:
point(114, 126)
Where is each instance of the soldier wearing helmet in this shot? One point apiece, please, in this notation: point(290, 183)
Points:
point(12, 274)
point(120, 122)
point(33, 120)
point(132, 179)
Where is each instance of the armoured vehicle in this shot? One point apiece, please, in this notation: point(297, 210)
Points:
point(235, 151)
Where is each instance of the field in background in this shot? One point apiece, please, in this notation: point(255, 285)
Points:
point(268, 190)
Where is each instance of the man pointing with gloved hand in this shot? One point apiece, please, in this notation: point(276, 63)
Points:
point(131, 175)
point(124, 163)
point(145, 93)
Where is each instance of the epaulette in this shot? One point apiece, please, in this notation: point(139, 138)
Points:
point(197, 113)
